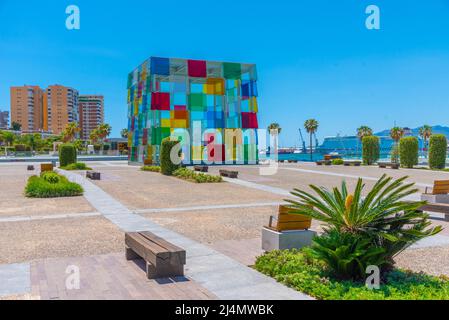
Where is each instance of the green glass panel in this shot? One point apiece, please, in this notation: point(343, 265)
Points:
point(232, 70)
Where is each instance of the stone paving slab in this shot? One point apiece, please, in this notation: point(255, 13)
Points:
point(15, 279)
point(211, 269)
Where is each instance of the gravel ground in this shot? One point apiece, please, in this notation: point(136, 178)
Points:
point(433, 261)
point(27, 241)
point(210, 226)
point(13, 180)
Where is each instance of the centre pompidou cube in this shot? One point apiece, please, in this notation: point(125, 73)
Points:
point(211, 107)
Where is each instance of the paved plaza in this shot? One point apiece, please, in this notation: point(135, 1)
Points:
point(218, 225)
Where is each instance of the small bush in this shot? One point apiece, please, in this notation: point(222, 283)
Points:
point(151, 168)
point(39, 187)
point(20, 148)
point(67, 154)
point(51, 177)
point(408, 151)
point(76, 166)
point(167, 166)
point(370, 146)
point(298, 270)
point(338, 162)
point(437, 151)
point(198, 177)
point(394, 154)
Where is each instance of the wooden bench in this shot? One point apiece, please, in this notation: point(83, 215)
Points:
point(439, 187)
point(324, 162)
point(201, 168)
point(46, 167)
point(162, 258)
point(285, 221)
point(392, 165)
point(229, 174)
point(354, 163)
point(93, 175)
point(292, 161)
point(30, 168)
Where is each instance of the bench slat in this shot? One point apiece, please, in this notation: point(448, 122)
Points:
point(149, 251)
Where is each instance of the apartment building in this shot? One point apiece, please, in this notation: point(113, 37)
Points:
point(60, 108)
point(27, 107)
point(4, 119)
point(91, 113)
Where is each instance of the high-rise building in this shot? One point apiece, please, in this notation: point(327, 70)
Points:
point(60, 108)
point(27, 107)
point(91, 114)
point(4, 119)
point(211, 107)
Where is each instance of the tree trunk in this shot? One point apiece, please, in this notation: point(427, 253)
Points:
point(311, 150)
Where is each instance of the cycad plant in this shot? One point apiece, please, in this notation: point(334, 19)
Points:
point(383, 218)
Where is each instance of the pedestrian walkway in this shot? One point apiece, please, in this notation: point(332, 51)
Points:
point(221, 275)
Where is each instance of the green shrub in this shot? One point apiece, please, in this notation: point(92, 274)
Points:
point(380, 218)
point(370, 149)
point(76, 166)
point(50, 177)
point(151, 168)
point(167, 166)
point(39, 187)
point(198, 177)
point(308, 275)
point(338, 162)
point(408, 150)
point(20, 148)
point(67, 154)
point(97, 147)
point(437, 151)
point(106, 147)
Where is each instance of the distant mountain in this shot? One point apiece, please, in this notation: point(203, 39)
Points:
point(435, 130)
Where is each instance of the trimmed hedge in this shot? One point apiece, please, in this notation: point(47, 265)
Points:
point(67, 154)
point(408, 151)
point(198, 177)
point(338, 162)
point(151, 168)
point(437, 151)
point(371, 149)
point(167, 166)
point(40, 187)
point(76, 166)
point(51, 177)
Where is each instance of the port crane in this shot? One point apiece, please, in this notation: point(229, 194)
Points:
point(304, 148)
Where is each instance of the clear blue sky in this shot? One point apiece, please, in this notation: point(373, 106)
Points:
point(315, 58)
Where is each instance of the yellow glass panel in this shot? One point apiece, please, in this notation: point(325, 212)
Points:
point(166, 123)
point(197, 153)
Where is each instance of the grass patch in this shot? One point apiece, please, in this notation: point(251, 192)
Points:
point(338, 162)
point(76, 166)
point(198, 177)
point(298, 270)
point(151, 168)
point(51, 185)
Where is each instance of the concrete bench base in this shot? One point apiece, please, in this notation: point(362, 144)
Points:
point(435, 198)
point(273, 240)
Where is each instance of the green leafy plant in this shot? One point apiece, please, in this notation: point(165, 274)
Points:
point(51, 177)
point(437, 151)
point(338, 162)
point(309, 275)
point(370, 149)
point(382, 217)
point(395, 154)
point(198, 177)
point(40, 187)
point(167, 166)
point(67, 154)
point(151, 168)
point(76, 166)
point(409, 150)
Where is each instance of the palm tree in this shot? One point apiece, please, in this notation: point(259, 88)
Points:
point(275, 126)
point(104, 130)
point(425, 132)
point(16, 126)
point(311, 127)
point(9, 138)
point(124, 133)
point(364, 131)
point(94, 136)
point(396, 133)
point(70, 132)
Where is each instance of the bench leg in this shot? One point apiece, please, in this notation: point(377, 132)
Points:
point(446, 217)
point(164, 271)
point(131, 255)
